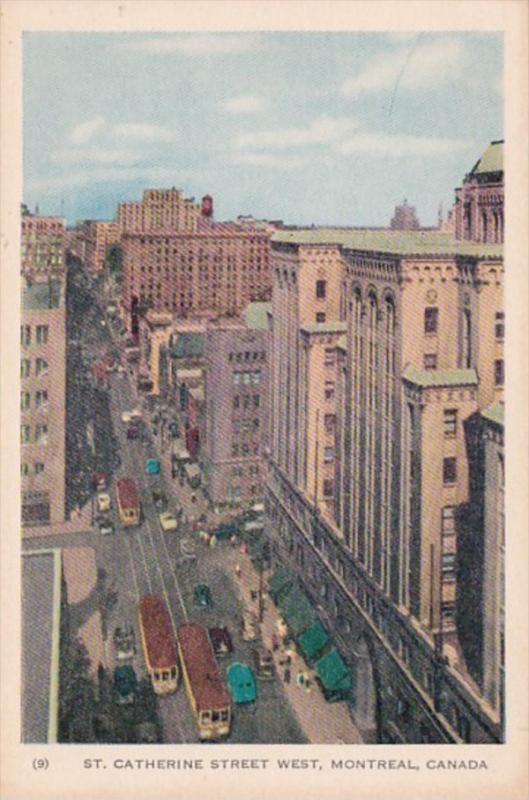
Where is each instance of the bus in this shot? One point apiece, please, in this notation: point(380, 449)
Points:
point(158, 644)
point(205, 686)
point(128, 502)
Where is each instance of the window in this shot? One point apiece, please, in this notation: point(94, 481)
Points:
point(328, 487)
point(41, 398)
point(448, 611)
point(256, 400)
point(430, 361)
point(25, 433)
point(431, 319)
point(236, 401)
point(450, 422)
point(236, 378)
point(256, 376)
point(24, 469)
point(25, 368)
point(448, 567)
point(328, 454)
point(329, 390)
point(499, 375)
point(449, 470)
point(42, 334)
point(321, 289)
point(38, 467)
point(41, 434)
point(499, 327)
point(330, 357)
point(448, 520)
point(25, 335)
point(329, 423)
point(320, 316)
point(41, 366)
point(25, 401)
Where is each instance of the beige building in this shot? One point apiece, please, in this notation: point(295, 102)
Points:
point(479, 201)
point(159, 210)
point(42, 243)
point(97, 236)
point(418, 325)
point(43, 402)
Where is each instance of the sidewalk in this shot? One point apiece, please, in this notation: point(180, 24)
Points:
point(322, 722)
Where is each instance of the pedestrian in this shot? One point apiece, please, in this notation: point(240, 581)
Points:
point(213, 541)
point(275, 643)
point(238, 570)
point(286, 675)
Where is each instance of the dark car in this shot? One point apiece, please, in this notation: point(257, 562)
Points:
point(133, 432)
point(221, 641)
point(125, 683)
point(226, 531)
point(263, 663)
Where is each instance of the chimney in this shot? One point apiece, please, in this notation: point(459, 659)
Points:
point(207, 206)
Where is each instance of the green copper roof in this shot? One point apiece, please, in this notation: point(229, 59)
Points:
point(324, 327)
point(400, 243)
point(43, 295)
point(491, 160)
point(440, 377)
point(494, 413)
point(255, 315)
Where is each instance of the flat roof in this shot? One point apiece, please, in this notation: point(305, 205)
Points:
point(393, 242)
point(42, 295)
point(41, 612)
point(255, 315)
point(494, 413)
point(440, 377)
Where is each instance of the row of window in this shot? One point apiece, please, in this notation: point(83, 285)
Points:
point(37, 468)
point(41, 367)
point(41, 334)
point(248, 356)
point(247, 377)
point(40, 434)
point(41, 399)
point(238, 471)
point(246, 401)
point(245, 425)
point(245, 449)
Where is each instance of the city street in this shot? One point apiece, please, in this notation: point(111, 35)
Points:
point(145, 560)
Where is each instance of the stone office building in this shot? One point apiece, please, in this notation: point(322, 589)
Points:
point(421, 356)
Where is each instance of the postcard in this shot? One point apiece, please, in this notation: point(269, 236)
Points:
point(264, 504)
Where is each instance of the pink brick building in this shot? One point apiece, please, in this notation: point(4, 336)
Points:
point(42, 246)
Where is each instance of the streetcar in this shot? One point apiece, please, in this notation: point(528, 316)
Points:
point(128, 502)
point(158, 644)
point(207, 692)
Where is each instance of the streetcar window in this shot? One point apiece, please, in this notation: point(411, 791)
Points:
point(173, 672)
point(156, 676)
point(224, 715)
point(165, 675)
point(215, 716)
point(206, 716)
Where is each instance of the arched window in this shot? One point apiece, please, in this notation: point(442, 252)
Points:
point(467, 338)
point(484, 224)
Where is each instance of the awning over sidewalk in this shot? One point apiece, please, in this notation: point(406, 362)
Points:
point(280, 582)
point(313, 640)
point(334, 675)
point(297, 611)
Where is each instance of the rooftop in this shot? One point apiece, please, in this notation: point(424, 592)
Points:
point(494, 413)
point(255, 315)
point(491, 160)
point(188, 345)
point(401, 243)
point(440, 377)
point(43, 295)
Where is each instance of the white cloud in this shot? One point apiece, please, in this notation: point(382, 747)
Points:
point(422, 67)
point(195, 44)
point(85, 131)
point(271, 160)
point(245, 104)
point(320, 131)
point(151, 174)
point(144, 131)
point(399, 145)
point(96, 156)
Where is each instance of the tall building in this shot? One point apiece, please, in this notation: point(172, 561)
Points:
point(417, 322)
point(42, 240)
point(404, 218)
point(43, 402)
point(479, 201)
point(236, 418)
point(97, 236)
point(176, 259)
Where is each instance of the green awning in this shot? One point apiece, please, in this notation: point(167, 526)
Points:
point(297, 611)
point(333, 672)
point(312, 640)
point(280, 582)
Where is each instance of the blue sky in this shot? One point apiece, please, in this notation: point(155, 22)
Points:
point(329, 128)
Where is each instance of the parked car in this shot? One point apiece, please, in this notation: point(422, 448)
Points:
point(188, 554)
point(202, 596)
point(125, 683)
point(152, 466)
point(103, 501)
point(132, 432)
point(221, 641)
point(263, 663)
point(168, 521)
point(241, 683)
point(226, 530)
point(99, 481)
point(126, 417)
point(106, 526)
point(249, 627)
point(159, 499)
point(124, 642)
